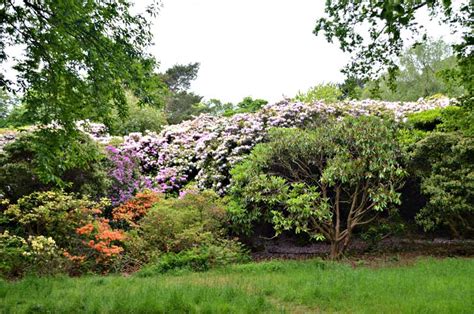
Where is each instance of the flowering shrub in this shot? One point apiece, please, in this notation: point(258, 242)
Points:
point(52, 214)
point(182, 232)
point(36, 254)
point(101, 242)
point(134, 209)
point(54, 226)
point(206, 148)
point(125, 176)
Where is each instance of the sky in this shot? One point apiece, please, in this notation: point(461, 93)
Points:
point(258, 48)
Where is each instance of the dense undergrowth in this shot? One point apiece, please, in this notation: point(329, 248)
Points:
point(190, 196)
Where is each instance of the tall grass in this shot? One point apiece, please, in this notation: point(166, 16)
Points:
point(429, 286)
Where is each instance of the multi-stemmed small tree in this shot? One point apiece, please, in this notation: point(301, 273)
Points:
point(324, 181)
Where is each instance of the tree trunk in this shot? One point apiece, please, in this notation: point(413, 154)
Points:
point(336, 250)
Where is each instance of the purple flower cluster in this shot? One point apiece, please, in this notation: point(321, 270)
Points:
point(206, 148)
point(124, 172)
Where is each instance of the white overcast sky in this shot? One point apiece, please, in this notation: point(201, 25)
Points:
point(259, 48)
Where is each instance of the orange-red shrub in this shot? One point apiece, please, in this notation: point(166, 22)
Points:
point(134, 209)
point(101, 242)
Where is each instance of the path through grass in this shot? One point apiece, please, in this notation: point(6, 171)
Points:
point(428, 286)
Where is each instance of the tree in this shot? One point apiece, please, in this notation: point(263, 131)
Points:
point(79, 58)
point(180, 103)
point(323, 182)
point(329, 93)
point(140, 118)
point(178, 78)
point(424, 70)
point(372, 31)
point(182, 106)
point(4, 104)
point(247, 105)
point(217, 107)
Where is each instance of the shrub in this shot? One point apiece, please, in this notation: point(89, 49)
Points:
point(37, 255)
point(12, 255)
point(130, 212)
point(177, 224)
point(49, 213)
point(206, 148)
point(101, 244)
point(445, 164)
point(21, 173)
point(182, 231)
point(324, 181)
point(124, 173)
point(438, 145)
point(69, 225)
point(201, 258)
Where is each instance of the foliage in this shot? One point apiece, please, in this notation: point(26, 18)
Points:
point(329, 93)
point(7, 104)
point(134, 209)
point(201, 258)
point(177, 224)
point(36, 255)
point(424, 70)
point(46, 230)
point(17, 117)
point(206, 148)
point(52, 214)
point(178, 78)
point(180, 103)
point(182, 106)
point(12, 113)
point(323, 181)
point(445, 162)
point(216, 107)
point(78, 167)
point(182, 232)
point(247, 105)
point(77, 62)
point(140, 118)
point(373, 30)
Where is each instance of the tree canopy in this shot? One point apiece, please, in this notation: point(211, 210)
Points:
point(372, 31)
point(424, 70)
point(78, 57)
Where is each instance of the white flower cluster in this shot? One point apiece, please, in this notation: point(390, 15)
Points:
point(206, 148)
point(97, 131)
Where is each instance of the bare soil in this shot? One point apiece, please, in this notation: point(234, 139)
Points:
point(386, 250)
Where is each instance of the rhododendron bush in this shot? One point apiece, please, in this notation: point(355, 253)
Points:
point(206, 148)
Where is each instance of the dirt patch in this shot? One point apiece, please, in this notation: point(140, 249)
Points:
point(388, 249)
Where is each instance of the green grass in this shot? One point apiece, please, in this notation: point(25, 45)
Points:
point(428, 286)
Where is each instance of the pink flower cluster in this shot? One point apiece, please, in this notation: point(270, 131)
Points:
point(206, 148)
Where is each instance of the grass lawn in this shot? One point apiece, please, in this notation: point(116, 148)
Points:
point(427, 286)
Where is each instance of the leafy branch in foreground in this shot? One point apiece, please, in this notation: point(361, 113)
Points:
point(373, 31)
point(79, 60)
